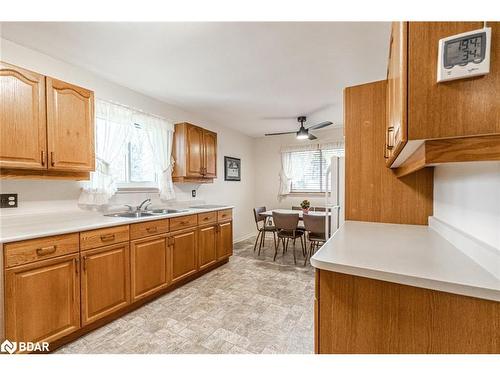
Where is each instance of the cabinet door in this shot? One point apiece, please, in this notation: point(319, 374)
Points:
point(150, 266)
point(42, 300)
point(194, 147)
point(70, 126)
point(397, 130)
point(105, 281)
point(458, 108)
point(22, 118)
point(225, 240)
point(207, 246)
point(184, 247)
point(209, 154)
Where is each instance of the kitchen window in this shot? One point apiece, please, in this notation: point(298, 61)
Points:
point(134, 167)
point(304, 166)
point(133, 153)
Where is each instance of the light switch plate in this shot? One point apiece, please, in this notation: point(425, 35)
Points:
point(8, 200)
point(193, 193)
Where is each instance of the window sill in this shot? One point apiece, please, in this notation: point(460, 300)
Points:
point(305, 193)
point(137, 189)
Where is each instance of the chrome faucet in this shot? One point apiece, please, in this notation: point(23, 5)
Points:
point(145, 202)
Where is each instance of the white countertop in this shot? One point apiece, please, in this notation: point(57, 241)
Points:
point(24, 227)
point(413, 255)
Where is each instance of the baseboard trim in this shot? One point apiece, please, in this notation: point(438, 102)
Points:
point(244, 237)
point(483, 254)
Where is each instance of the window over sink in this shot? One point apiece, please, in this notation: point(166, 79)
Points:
point(133, 152)
point(134, 167)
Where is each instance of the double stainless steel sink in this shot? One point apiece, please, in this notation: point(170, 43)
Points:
point(138, 214)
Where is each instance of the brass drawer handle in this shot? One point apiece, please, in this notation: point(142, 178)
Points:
point(46, 250)
point(107, 237)
point(43, 158)
point(52, 159)
point(152, 229)
point(184, 222)
point(206, 218)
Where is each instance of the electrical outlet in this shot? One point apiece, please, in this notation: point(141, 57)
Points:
point(8, 200)
point(193, 193)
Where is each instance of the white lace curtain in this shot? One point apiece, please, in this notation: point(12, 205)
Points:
point(286, 160)
point(160, 135)
point(114, 124)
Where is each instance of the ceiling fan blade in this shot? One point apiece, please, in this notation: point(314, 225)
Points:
point(312, 137)
point(320, 125)
point(280, 133)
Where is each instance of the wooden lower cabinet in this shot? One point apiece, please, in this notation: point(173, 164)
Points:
point(58, 298)
point(207, 246)
point(184, 247)
point(150, 268)
point(365, 316)
point(42, 300)
point(224, 240)
point(105, 281)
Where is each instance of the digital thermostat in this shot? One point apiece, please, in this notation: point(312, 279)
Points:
point(464, 55)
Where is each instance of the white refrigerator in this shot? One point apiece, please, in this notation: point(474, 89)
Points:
point(334, 195)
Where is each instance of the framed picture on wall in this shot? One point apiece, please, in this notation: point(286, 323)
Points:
point(232, 169)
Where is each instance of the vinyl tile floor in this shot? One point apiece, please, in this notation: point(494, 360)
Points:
point(249, 305)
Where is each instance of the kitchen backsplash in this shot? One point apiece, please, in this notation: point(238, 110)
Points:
point(37, 196)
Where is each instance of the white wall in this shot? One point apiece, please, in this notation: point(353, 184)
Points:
point(268, 166)
point(467, 196)
point(230, 143)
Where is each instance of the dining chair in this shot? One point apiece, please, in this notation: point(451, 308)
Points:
point(319, 209)
point(263, 229)
point(296, 208)
point(315, 228)
point(286, 229)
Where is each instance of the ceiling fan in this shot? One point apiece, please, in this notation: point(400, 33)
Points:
point(303, 132)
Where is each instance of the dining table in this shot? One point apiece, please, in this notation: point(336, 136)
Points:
point(269, 213)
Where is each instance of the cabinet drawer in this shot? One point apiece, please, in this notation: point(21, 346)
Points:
point(207, 218)
point(182, 222)
point(103, 237)
point(224, 215)
point(29, 251)
point(148, 228)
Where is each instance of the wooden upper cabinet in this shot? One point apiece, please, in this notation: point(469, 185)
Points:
point(46, 126)
point(70, 126)
point(22, 118)
point(459, 108)
point(105, 281)
point(421, 109)
point(210, 154)
point(396, 131)
point(195, 154)
point(42, 300)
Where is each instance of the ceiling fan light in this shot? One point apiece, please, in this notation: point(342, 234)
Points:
point(302, 133)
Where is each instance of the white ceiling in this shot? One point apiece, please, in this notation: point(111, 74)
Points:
point(240, 75)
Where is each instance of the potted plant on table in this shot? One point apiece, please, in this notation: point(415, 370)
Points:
point(305, 206)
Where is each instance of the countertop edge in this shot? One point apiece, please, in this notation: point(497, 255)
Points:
point(443, 286)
